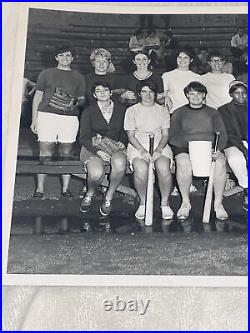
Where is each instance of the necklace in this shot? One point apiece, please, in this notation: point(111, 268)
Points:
point(144, 77)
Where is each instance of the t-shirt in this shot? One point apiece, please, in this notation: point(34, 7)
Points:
point(51, 79)
point(189, 124)
point(131, 81)
point(148, 119)
point(217, 88)
point(174, 82)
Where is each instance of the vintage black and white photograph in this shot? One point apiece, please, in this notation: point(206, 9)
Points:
point(133, 144)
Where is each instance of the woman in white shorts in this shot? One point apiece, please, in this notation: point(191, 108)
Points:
point(140, 120)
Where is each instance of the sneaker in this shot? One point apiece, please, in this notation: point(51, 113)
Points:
point(167, 213)
point(86, 203)
point(245, 199)
point(220, 212)
point(106, 207)
point(67, 194)
point(83, 192)
point(184, 210)
point(140, 213)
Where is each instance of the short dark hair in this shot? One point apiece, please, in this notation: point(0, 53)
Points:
point(62, 49)
point(104, 84)
point(187, 50)
point(196, 86)
point(134, 54)
point(146, 83)
point(215, 53)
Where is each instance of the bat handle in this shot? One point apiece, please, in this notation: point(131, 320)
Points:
point(151, 143)
point(217, 136)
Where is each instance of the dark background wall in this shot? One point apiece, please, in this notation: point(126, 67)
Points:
point(86, 31)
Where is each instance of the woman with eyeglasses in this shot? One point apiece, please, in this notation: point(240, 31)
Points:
point(102, 122)
point(140, 120)
point(217, 82)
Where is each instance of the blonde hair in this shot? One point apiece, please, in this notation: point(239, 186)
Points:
point(100, 53)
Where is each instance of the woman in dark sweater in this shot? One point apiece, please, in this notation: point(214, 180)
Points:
point(197, 122)
point(103, 119)
point(234, 115)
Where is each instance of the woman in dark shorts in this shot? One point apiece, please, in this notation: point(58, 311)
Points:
point(101, 122)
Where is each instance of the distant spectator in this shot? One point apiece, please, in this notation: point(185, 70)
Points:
point(217, 82)
point(152, 45)
point(200, 64)
point(239, 43)
point(242, 74)
point(227, 66)
point(138, 41)
point(169, 50)
point(28, 92)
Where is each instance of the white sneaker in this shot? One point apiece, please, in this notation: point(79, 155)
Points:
point(167, 213)
point(220, 212)
point(140, 213)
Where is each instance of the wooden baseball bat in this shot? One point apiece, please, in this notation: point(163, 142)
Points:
point(209, 194)
point(150, 186)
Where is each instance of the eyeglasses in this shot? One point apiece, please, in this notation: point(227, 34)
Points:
point(216, 60)
point(101, 91)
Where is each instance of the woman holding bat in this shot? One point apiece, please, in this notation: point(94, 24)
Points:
point(234, 115)
point(103, 140)
point(141, 120)
point(196, 121)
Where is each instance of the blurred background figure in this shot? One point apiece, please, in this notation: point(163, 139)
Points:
point(28, 92)
point(200, 64)
point(152, 45)
point(169, 50)
point(239, 43)
point(137, 42)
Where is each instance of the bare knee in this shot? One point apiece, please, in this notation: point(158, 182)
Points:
point(183, 165)
point(220, 165)
point(235, 156)
point(140, 169)
point(118, 162)
point(47, 150)
point(162, 166)
point(95, 169)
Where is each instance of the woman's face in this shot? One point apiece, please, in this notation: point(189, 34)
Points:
point(183, 60)
point(141, 61)
point(102, 94)
point(216, 64)
point(147, 95)
point(195, 98)
point(101, 65)
point(240, 95)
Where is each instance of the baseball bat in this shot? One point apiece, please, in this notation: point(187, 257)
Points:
point(209, 194)
point(150, 186)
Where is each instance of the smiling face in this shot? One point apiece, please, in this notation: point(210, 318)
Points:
point(102, 93)
point(147, 96)
point(195, 98)
point(240, 95)
point(183, 61)
point(101, 65)
point(64, 59)
point(216, 64)
point(141, 61)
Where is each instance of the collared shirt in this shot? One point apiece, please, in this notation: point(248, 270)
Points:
point(107, 111)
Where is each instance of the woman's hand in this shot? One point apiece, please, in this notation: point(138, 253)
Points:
point(145, 155)
point(103, 155)
point(33, 127)
point(128, 95)
point(157, 153)
point(216, 155)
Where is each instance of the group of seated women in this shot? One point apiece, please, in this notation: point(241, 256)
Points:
point(175, 116)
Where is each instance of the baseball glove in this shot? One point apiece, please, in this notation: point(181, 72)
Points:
point(106, 144)
point(61, 100)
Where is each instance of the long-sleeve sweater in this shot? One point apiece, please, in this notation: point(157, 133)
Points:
point(93, 123)
point(235, 120)
point(189, 124)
